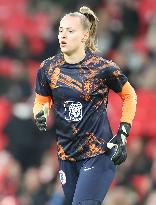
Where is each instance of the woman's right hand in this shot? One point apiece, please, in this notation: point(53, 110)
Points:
point(41, 121)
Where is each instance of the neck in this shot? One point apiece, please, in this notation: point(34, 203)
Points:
point(74, 57)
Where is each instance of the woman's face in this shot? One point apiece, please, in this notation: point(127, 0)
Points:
point(71, 36)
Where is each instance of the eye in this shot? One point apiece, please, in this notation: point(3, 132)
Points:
point(70, 31)
point(60, 30)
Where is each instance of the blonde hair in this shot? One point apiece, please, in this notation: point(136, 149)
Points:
point(89, 22)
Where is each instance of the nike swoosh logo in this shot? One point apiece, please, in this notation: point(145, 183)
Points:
point(86, 169)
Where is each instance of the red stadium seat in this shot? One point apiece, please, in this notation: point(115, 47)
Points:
point(5, 67)
point(144, 121)
point(5, 110)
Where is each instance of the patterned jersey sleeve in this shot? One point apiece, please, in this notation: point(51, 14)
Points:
point(115, 79)
point(42, 85)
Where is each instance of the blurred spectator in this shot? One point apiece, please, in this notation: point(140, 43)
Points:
point(10, 174)
point(130, 18)
point(122, 196)
point(25, 142)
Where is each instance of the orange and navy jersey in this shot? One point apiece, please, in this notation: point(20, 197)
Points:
point(79, 93)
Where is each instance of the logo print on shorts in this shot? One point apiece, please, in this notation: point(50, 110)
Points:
point(73, 111)
point(62, 177)
point(87, 169)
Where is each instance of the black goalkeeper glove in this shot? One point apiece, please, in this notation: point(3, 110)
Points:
point(120, 140)
point(41, 121)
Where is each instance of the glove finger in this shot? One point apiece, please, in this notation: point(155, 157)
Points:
point(119, 154)
point(41, 113)
point(120, 159)
point(116, 159)
point(41, 124)
point(41, 120)
point(116, 155)
point(42, 129)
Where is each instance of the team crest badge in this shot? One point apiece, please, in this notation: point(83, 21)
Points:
point(73, 111)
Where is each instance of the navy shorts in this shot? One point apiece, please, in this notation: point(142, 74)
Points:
point(87, 179)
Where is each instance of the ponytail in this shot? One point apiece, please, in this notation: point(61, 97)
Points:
point(93, 20)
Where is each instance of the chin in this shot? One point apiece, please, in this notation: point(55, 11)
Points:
point(66, 51)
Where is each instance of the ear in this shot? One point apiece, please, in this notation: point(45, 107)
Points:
point(85, 37)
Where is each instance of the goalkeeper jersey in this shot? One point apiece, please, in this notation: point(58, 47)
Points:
point(79, 93)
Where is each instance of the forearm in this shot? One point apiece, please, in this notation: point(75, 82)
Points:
point(39, 102)
point(129, 99)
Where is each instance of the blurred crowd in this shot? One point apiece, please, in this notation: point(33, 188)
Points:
point(28, 159)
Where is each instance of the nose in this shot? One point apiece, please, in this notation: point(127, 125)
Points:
point(63, 34)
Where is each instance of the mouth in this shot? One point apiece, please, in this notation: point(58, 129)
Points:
point(63, 43)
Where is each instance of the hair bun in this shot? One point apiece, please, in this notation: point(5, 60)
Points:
point(85, 9)
point(87, 12)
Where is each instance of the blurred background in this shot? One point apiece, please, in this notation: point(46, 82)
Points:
point(28, 159)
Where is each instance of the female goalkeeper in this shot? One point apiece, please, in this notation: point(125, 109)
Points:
point(75, 84)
